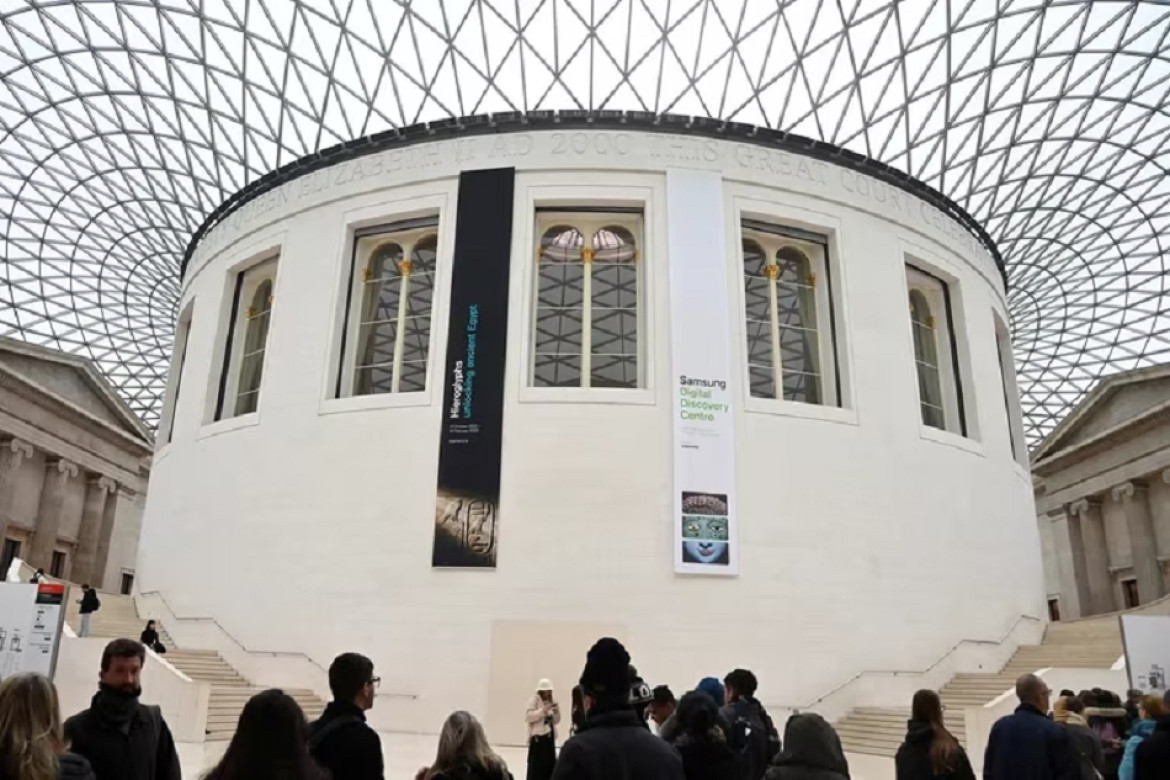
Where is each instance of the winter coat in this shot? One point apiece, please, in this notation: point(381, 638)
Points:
point(1110, 723)
point(1140, 730)
point(350, 750)
point(1151, 759)
point(708, 759)
point(71, 766)
point(473, 772)
point(538, 725)
point(913, 759)
point(671, 729)
point(616, 745)
point(90, 602)
point(1026, 745)
point(749, 722)
point(812, 751)
point(1087, 744)
point(140, 748)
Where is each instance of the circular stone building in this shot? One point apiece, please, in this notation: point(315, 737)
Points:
point(468, 396)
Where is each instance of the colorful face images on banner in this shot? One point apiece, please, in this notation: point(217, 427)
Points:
point(704, 528)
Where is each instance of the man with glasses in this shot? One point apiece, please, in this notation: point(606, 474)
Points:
point(341, 741)
point(1027, 745)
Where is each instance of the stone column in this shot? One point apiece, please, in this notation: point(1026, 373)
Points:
point(12, 453)
point(58, 472)
point(1141, 540)
point(97, 495)
point(1070, 557)
point(102, 553)
point(1092, 528)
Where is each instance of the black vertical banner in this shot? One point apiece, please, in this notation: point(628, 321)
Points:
point(468, 496)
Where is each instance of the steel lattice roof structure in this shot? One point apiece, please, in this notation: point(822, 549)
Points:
point(124, 123)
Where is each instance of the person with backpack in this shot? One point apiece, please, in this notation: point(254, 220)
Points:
point(89, 605)
point(1091, 757)
point(930, 752)
point(340, 740)
point(701, 742)
point(1150, 710)
point(122, 738)
point(752, 735)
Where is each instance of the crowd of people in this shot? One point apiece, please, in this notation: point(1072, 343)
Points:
point(621, 729)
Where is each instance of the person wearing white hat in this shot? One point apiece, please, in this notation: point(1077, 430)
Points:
point(543, 716)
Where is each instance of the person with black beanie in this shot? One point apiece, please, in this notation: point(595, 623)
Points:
point(613, 741)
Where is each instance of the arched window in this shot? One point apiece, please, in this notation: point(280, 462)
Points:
point(255, 343)
point(926, 356)
point(789, 339)
point(585, 329)
point(391, 328)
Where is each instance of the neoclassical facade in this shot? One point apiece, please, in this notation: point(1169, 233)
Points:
point(1102, 482)
point(74, 464)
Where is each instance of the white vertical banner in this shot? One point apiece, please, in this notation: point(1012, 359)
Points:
point(700, 339)
point(1146, 640)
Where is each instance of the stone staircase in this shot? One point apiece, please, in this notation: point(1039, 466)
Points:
point(1080, 644)
point(118, 617)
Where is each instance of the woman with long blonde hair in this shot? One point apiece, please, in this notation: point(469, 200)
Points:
point(464, 753)
point(32, 743)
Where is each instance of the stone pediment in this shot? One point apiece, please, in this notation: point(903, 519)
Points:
point(72, 379)
point(1117, 400)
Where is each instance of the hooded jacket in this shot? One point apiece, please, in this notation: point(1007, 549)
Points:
point(1151, 759)
point(913, 760)
point(1138, 732)
point(708, 759)
point(616, 745)
point(812, 751)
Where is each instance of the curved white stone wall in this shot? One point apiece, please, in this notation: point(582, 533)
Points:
point(866, 540)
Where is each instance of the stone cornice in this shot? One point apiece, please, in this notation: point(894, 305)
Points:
point(1102, 441)
point(48, 400)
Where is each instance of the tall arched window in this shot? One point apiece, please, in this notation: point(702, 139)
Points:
point(790, 350)
point(936, 361)
point(255, 342)
point(586, 323)
point(394, 269)
point(247, 341)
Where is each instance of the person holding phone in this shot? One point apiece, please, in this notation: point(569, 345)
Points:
point(543, 716)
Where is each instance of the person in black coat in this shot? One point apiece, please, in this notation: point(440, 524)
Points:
point(149, 637)
point(1151, 760)
point(340, 740)
point(812, 751)
point(1026, 745)
point(613, 742)
point(750, 730)
point(701, 743)
point(271, 741)
point(930, 752)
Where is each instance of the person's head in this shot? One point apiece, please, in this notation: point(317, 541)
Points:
point(1133, 696)
point(809, 740)
point(740, 682)
point(605, 681)
point(271, 733)
point(150, 625)
point(40, 571)
point(85, 588)
point(462, 741)
point(1151, 707)
point(1067, 693)
point(544, 689)
point(1074, 705)
point(698, 717)
point(662, 704)
point(713, 688)
point(1060, 710)
point(30, 728)
point(640, 693)
point(352, 680)
point(1033, 691)
point(926, 707)
point(122, 662)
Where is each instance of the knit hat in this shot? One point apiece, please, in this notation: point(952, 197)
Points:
point(713, 688)
point(607, 669)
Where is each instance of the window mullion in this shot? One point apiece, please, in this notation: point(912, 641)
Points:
point(404, 268)
point(772, 271)
point(587, 314)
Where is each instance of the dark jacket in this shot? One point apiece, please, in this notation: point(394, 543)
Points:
point(1026, 745)
point(708, 759)
point(1151, 760)
point(476, 772)
point(812, 751)
point(350, 750)
point(1087, 744)
point(751, 735)
point(671, 729)
point(913, 760)
point(616, 745)
point(89, 602)
point(71, 766)
point(138, 748)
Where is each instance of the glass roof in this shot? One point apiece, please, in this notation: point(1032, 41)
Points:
point(124, 123)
